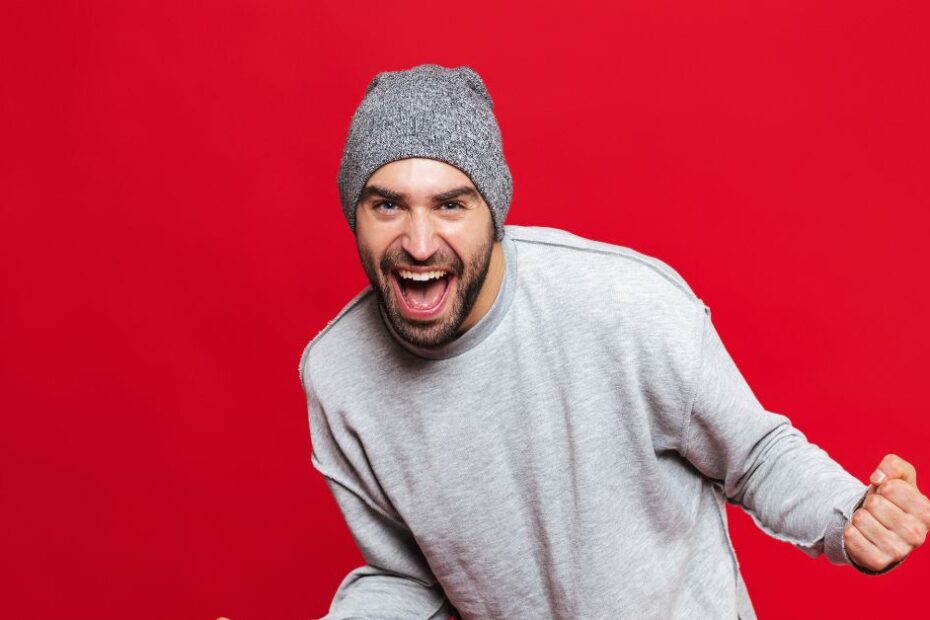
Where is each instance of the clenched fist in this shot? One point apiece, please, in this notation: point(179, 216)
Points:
point(893, 519)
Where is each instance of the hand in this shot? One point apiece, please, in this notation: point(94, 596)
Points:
point(893, 519)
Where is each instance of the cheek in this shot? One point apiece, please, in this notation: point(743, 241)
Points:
point(375, 236)
point(372, 246)
point(477, 249)
point(369, 261)
point(472, 243)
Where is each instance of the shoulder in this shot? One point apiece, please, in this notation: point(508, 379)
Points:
point(338, 339)
point(616, 268)
point(633, 308)
point(639, 298)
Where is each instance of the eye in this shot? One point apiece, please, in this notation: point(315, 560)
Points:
point(450, 206)
point(385, 206)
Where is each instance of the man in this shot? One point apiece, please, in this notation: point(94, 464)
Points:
point(520, 422)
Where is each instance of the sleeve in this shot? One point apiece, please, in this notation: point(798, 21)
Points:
point(396, 581)
point(790, 487)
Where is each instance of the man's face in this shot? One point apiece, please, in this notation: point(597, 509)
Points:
point(425, 237)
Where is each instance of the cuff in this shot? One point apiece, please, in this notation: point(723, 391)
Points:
point(834, 546)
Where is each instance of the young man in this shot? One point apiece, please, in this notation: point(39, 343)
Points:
point(520, 422)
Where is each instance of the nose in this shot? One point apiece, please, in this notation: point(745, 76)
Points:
point(420, 239)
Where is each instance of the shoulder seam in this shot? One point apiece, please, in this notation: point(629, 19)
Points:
point(617, 252)
point(355, 301)
point(356, 490)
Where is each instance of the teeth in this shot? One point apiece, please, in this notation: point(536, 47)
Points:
point(422, 277)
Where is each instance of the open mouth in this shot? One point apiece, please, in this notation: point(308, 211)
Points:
point(422, 292)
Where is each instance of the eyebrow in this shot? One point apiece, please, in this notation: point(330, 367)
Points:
point(383, 192)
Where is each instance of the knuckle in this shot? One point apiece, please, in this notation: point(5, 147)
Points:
point(858, 517)
point(872, 501)
point(882, 560)
point(895, 484)
point(901, 550)
point(924, 510)
point(912, 534)
point(918, 532)
point(905, 530)
point(877, 562)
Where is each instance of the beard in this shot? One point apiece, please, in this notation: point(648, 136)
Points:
point(433, 333)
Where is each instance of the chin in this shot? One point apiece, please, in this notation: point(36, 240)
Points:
point(427, 334)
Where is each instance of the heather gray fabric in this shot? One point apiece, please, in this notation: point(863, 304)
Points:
point(570, 456)
point(427, 111)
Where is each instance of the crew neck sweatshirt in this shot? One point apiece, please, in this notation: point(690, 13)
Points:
point(569, 456)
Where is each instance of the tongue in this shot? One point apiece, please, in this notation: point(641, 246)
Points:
point(425, 294)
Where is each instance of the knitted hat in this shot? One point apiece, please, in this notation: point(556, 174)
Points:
point(433, 112)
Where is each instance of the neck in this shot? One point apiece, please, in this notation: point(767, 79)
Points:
point(489, 290)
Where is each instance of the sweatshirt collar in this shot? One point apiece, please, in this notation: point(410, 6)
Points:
point(480, 330)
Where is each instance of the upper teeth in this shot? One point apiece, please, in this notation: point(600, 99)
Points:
point(422, 276)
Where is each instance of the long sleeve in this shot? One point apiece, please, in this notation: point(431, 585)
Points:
point(396, 581)
point(790, 487)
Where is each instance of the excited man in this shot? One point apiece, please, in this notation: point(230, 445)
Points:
point(520, 422)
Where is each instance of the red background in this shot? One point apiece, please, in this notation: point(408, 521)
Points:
point(170, 239)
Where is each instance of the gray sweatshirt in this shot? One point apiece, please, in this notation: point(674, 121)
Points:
point(569, 456)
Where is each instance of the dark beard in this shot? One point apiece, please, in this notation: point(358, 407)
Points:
point(441, 331)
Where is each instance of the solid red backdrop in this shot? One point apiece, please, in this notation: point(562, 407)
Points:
point(170, 239)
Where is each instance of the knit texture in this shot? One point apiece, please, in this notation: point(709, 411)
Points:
point(432, 112)
point(569, 456)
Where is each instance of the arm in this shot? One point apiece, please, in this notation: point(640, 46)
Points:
point(396, 581)
point(790, 487)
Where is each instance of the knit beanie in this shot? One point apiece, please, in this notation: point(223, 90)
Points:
point(433, 112)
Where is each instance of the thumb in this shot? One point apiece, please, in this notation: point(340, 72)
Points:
point(893, 466)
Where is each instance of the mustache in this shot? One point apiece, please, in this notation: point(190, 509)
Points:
point(402, 257)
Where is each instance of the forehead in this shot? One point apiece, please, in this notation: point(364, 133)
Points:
point(416, 176)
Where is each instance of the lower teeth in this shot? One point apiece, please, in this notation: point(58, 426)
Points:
point(423, 288)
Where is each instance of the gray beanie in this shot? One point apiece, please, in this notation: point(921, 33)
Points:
point(433, 112)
